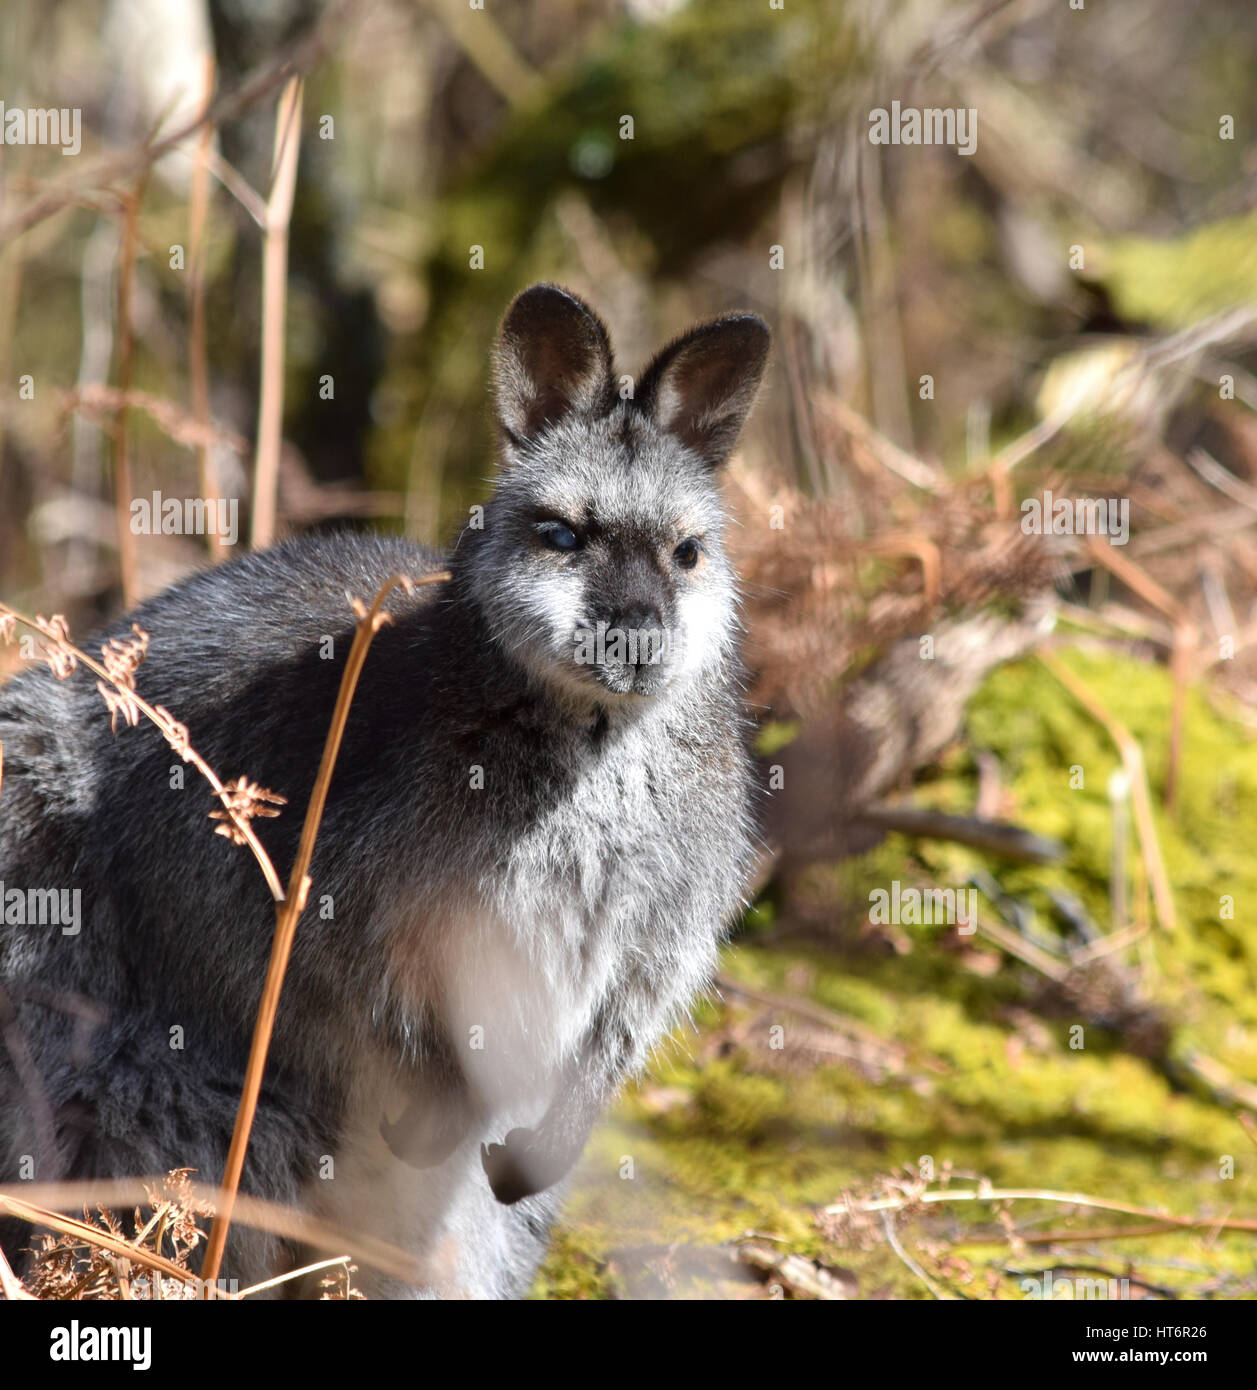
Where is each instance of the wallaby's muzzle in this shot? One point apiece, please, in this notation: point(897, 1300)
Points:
point(636, 651)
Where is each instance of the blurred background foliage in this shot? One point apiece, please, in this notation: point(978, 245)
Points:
point(1072, 308)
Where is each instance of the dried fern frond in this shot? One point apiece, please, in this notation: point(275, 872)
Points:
point(248, 801)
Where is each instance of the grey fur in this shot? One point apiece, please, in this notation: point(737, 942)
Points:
point(570, 908)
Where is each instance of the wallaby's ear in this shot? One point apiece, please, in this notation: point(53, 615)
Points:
point(553, 357)
point(701, 386)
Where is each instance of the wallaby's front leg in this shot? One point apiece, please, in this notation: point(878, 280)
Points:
point(531, 1160)
point(439, 1114)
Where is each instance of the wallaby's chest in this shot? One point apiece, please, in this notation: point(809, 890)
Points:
point(586, 882)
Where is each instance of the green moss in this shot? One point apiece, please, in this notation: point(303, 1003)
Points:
point(1174, 283)
point(775, 735)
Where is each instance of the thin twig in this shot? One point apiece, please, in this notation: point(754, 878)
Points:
point(907, 466)
point(1183, 645)
point(96, 402)
point(128, 561)
point(274, 308)
point(1109, 945)
point(11, 1286)
point(240, 189)
point(198, 356)
point(1225, 481)
point(1141, 799)
point(1033, 956)
point(893, 1241)
point(1037, 1194)
point(293, 1274)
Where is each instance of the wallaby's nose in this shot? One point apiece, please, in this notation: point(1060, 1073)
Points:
point(639, 616)
point(642, 626)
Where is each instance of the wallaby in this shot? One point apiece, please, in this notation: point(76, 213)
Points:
point(538, 827)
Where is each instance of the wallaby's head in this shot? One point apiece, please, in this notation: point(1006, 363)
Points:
point(602, 565)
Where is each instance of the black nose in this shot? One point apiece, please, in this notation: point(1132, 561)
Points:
point(642, 627)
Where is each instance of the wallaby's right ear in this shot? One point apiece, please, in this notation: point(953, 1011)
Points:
point(553, 358)
point(701, 386)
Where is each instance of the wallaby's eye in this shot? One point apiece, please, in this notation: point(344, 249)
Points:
point(558, 535)
point(686, 554)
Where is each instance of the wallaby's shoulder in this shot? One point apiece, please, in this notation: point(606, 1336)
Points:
point(243, 652)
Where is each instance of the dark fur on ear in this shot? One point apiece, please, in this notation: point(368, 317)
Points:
point(553, 357)
point(701, 386)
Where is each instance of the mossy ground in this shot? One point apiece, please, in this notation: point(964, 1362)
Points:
point(954, 1057)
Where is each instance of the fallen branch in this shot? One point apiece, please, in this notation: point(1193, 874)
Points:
point(1037, 1194)
point(997, 837)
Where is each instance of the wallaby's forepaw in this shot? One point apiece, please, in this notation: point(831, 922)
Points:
point(520, 1167)
point(427, 1133)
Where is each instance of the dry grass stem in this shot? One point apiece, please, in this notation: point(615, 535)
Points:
point(274, 311)
point(1141, 799)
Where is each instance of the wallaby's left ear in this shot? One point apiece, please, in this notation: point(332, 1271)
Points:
point(553, 359)
point(701, 387)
